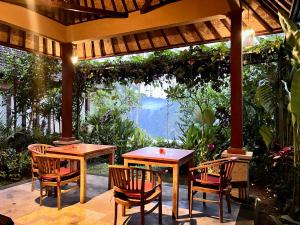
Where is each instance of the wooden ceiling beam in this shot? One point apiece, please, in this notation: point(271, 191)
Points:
point(113, 45)
point(124, 5)
point(165, 37)
point(258, 17)
point(137, 41)
point(213, 30)
point(135, 5)
point(56, 4)
point(197, 32)
point(102, 48)
point(93, 53)
point(181, 35)
point(226, 24)
point(125, 43)
point(282, 5)
point(150, 39)
point(269, 8)
point(147, 6)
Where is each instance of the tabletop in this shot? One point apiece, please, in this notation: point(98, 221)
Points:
point(157, 153)
point(80, 149)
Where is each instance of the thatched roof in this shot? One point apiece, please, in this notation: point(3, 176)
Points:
point(261, 15)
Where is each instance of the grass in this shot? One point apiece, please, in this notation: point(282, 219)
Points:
point(101, 168)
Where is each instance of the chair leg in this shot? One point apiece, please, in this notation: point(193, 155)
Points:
point(142, 214)
point(228, 203)
point(191, 202)
point(41, 193)
point(58, 197)
point(32, 182)
point(204, 197)
point(123, 210)
point(160, 209)
point(221, 207)
point(116, 213)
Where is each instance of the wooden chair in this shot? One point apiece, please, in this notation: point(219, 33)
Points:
point(36, 149)
point(132, 189)
point(212, 177)
point(52, 175)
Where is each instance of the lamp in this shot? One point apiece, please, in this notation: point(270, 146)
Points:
point(248, 35)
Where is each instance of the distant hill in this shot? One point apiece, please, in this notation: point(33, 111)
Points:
point(157, 117)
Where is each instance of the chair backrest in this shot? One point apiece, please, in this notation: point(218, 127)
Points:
point(221, 169)
point(226, 168)
point(128, 178)
point(37, 149)
point(132, 180)
point(47, 165)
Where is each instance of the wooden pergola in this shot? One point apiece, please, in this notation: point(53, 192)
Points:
point(94, 29)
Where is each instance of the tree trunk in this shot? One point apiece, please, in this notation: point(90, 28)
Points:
point(8, 110)
point(15, 103)
point(49, 123)
point(24, 118)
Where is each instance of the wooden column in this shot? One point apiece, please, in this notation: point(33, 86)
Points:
point(236, 81)
point(68, 73)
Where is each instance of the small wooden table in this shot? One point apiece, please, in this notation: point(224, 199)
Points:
point(82, 152)
point(174, 158)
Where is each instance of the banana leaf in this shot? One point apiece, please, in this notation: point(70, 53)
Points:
point(266, 134)
point(295, 94)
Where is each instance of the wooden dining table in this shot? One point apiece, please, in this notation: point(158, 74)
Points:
point(165, 157)
point(83, 152)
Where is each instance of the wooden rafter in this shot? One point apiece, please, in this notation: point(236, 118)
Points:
point(150, 39)
point(213, 30)
point(137, 41)
point(62, 5)
point(201, 38)
point(269, 8)
point(147, 7)
point(125, 43)
point(258, 17)
point(181, 35)
point(165, 37)
point(226, 24)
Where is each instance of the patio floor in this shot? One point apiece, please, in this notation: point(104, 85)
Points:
point(22, 205)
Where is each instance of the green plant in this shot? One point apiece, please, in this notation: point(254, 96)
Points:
point(293, 41)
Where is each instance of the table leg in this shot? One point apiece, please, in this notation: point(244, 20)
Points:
point(190, 165)
point(175, 196)
point(82, 180)
point(148, 177)
point(111, 161)
point(125, 162)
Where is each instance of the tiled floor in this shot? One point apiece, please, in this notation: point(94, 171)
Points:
point(22, 206)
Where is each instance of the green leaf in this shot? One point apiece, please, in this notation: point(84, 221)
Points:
point(295, 94)
point(266, 134)
point(208, 116)
point(265, 97)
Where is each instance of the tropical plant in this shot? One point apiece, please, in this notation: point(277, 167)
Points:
point(292, 34)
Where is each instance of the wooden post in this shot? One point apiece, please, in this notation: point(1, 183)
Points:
point(68, 73)
point(236, 82)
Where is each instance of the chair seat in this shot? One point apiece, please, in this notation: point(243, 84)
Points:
point(148, 187)
point(65, 174)
point(211, 179)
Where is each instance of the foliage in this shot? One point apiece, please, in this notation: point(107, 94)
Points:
point(28, 78)
point(292, 33)
point(204, 120)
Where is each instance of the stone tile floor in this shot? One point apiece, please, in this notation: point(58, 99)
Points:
point(22, 205)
